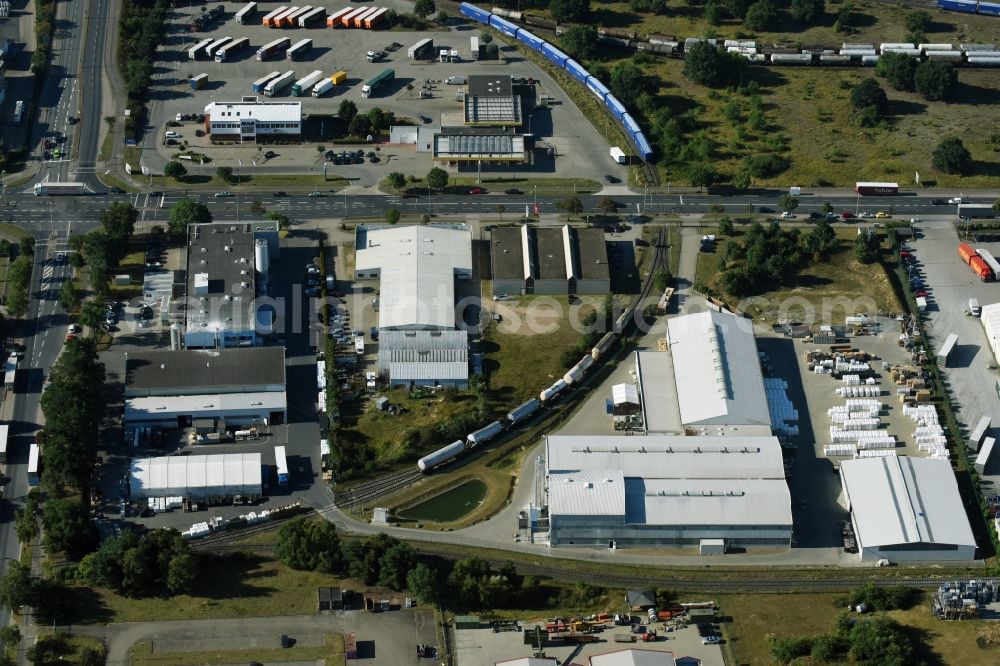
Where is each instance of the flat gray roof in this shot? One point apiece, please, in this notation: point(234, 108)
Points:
point(507, 253)
point(491, 85)
point(660, 408)
point(550, 253)
point(593, 254)
point(208, 369)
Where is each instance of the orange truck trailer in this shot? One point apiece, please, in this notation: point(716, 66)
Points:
point(975, 262)
point(334, 19)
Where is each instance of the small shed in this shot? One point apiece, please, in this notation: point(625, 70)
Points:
point(382, 403)
point(712, 547)
point(640, 599)
point(701, 615)
point(625, 400)
point(330, 599)
point(466, 622)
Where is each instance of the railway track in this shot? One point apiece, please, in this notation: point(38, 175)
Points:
point(367, 492)
point(224, 537)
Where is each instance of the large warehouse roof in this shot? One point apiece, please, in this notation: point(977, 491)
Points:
point(668, 456)
point(424, 356)
point(587, 493)
point(417, 267)
point(905, 500)
point(151, 372)
point(633, 657)
point(717, 370)
point(731, 502)
point(170, 406)
point(196, 476)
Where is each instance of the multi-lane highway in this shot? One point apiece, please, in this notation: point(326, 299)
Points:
point(39, 214)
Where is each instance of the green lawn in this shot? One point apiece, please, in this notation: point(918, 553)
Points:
point(835, 286)
point(144, 654)
point(758, 616)
point(14, 233)
point(810, 106)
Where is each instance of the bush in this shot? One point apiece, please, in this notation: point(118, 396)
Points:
point(951, 156)
point(935, 80)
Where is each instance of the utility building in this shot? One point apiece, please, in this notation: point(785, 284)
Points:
point(906, 509)
point(253, 121)
point(666, 490)
point(172, 389)
point(417, 266)
point(549, 260)
point(228, 266)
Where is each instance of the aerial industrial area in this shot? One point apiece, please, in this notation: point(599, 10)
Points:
point(560, 332)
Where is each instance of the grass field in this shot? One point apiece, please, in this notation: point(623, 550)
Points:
point(810, 108)
point(14, 233)
point(144, 654)
point(756, 617)
point(833, 286)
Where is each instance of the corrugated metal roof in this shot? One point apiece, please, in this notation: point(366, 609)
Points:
point(390, 340)
point(427, 372)
point(208, 369)
point(424, 355)
point(417, 266)
point(901, 499)
point(668, 456)
point(270, 112)
point(710, 502)
point(633, 657)
point(625, 394)
point(717, 370)
point(169, 406)
point(196, 476)
point(587, 493)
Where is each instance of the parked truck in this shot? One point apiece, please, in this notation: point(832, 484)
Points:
point(375, 83)
point(275, 86)
point(305, 84)
point(975, 211)
point(268, 20)
point(300, 49)
point(231, 49)
point(975, 262)
point(323, 87)
point(314, 15)
point(198, 82)
point(261, 83)
point(273, 49)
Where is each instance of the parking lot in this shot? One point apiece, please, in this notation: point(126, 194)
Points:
point(560, 126)
point(479, 647)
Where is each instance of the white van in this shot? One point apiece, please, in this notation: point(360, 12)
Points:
point(974, 308)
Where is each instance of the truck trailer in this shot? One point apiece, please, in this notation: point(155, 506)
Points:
point(231, 49)
point(421, 50)
point(261, 83)
point(198, 50)
point(275, 86)
point(214, 47)
point(300, 49)
point(375, 83)
point(268, 20)
point(198, 82)
point(876, 189)
point(291, 20)
point(305, 84)
point(244, 15)
point(975, 262)
point(333, 20)
point(273, 49)
point(974, 211)
point(314, 15)
point(375, 19)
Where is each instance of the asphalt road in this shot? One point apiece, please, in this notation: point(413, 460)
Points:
point(39, 214)
point(89, 99)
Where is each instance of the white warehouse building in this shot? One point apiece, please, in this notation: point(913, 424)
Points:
point(708, 381)
point(417, 266)
point(906, 509)
point(196, 477)
point(652, 490)
point(253, 121)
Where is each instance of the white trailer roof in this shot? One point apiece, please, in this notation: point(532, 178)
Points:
point(196, 476)
point(905, 500)
point(990, 316)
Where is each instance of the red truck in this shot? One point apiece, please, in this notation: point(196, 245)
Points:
point(975, 262)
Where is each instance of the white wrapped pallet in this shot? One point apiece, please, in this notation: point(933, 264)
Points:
point(851, 380)
point(839, 450)
point(862, 424)
point(875, 453)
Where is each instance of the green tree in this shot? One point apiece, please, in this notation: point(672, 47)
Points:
point(808, 12)
point(184, 212)
point(706, 65)
point(580, 41)
point(880, 641)
point(424, 8)
point(867, 117)
point(726, 226)
point(935, 80)
point(788, 203)
point(662, 280)
point(283, 220)
point(919, 21)
point(996, 208)
point(225, 174)
point(607, 206)
point(312, 545)
point(821, 241)
point(118, 221)
point(786, 650)
point(182, 573)
point(16, 586)
point(485, 37)
point(69, 297)
point(359, 126)
point(257, 207)
point(67, 527)
point(951, 156)
point(714, 13)
point(437, 178)
point(377, 118)
point(898, 69)
point(571, 205)
point(395, 564)
point(174, 169)
point(347, 110)
point(868, 93)
point(501, 209)
point(760, 15)
point(627, 80)
point(91, 656)
point(866, 247)
point(392, 215)
point(396, 180)
point(701, 174)
point(424, 583)
point(10, 635)
point(827, 207)
point(91, 314)
point(570, 11)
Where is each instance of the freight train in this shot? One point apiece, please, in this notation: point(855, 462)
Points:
point(572, 67)
point(524, 411)
point(969, 7)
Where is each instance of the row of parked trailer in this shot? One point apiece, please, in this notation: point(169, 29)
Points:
point(314, 83)
point(369, 18)
point(572, 67)
point(522, 412)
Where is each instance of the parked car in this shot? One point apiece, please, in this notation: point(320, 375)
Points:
point(477, 190)
point(882, 215)
point(170, 134)
point(512, 190)
point(611, 179)
point(280, 193)
point(787, 216)
point(846, 215)
point(938, 202)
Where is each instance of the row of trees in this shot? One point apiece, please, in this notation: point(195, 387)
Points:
point(933, 79)
point(19, 280)
point(137, 565)
point(140, 32)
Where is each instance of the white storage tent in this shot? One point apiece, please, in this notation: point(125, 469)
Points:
point(196, 476)
point(990, 316)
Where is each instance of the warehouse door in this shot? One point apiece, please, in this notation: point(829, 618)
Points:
point(276, 418)
point(183, 421)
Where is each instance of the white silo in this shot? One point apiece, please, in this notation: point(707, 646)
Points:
point(175, 336)
point(262, 260)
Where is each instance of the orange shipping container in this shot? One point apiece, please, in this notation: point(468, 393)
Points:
point(980, 268)
point(333, 20)
point(966, 252)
